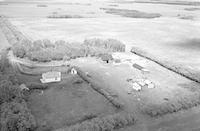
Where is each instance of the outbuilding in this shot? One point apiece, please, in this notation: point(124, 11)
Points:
point(53, 76)
point(106, 57)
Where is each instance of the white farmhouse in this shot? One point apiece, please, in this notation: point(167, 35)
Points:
point(52, 76)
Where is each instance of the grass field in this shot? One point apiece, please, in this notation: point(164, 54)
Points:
point(67, 104)
point(168, 44)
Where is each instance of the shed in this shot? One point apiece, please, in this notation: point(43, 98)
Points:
point(52, 76)
point(73, 71)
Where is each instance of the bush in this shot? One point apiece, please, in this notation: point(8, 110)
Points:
point(32, 86)
point(64, 16)
point(13, 79)
point(131, 13)
point(172, 106)
point(107, 123)
point(8, 92)
point(16, 117)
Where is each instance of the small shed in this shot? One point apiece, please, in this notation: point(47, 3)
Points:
point(52, 76)
point(73, 71)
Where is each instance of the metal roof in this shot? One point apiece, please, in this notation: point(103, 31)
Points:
point(52, 74)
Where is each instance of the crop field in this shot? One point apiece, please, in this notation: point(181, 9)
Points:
point(124, 65)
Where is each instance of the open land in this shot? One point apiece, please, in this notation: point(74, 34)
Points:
point(161, 36)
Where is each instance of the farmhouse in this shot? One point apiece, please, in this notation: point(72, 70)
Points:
point(52, 76)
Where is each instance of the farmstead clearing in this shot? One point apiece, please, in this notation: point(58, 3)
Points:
point(122, 65)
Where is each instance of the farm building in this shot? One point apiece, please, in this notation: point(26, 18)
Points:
point(52, 76)
point(106, 57)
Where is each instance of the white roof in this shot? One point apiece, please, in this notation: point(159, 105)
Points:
point(52, 74)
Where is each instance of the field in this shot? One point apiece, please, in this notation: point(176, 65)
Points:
point(67, 104)
point(161, 36)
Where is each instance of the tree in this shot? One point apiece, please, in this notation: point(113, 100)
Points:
point(47, 43)
point(16, 117)
point(18, 50)
point(8, 92)
point(3, 61)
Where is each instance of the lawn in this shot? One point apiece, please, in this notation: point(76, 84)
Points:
point(67, 103)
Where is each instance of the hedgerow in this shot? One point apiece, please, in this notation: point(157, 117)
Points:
point(107, 123)
point(96, 86)
point(178, 104)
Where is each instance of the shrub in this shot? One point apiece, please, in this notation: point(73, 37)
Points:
point(172, 106)
point(33, 85)
point(16, 117)
point(13, 79)
point(8, 92)
point(107, 123)
point(64, 16)
point(131, 13)
point(41, 5)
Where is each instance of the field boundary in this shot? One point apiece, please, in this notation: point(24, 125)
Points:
point(170, 66)
point(96, 86)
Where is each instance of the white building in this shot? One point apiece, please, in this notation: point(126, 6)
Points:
point(73, 71)
point(52, 76)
